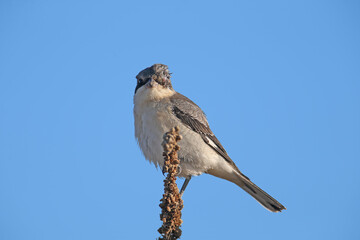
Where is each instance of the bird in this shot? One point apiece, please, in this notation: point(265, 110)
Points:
point(158, 108)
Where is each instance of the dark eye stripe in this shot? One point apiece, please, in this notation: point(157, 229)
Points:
point(141, 83)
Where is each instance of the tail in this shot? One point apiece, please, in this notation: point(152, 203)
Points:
point(260, 195)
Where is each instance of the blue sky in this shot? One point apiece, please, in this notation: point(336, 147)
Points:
point(278, 80)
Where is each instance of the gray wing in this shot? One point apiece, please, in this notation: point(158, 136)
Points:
point(194, 118)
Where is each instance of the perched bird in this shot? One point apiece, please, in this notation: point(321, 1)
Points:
point(158, 108)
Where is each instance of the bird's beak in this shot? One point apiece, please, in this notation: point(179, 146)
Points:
point(151, 83)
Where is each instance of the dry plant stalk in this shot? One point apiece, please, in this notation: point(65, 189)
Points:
point(171, 203)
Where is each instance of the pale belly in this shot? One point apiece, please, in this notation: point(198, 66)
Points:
point(152, 122)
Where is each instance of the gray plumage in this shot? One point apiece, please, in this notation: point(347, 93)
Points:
point(193, 117)
point(157, 108)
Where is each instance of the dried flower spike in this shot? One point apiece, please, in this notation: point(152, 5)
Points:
point(171, 203)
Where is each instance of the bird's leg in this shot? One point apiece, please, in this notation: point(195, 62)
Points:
point(163, 170)
point(187, 180)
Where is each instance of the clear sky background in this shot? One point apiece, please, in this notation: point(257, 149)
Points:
point(278, 80)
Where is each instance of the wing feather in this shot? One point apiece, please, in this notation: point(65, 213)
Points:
point(194, 118)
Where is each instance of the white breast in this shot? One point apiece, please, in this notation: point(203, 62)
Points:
point(153, 117)
point(151, 120)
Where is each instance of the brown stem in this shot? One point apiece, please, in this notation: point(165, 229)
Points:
point(171, 203)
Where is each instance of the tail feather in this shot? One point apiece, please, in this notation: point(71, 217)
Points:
point(260, 195)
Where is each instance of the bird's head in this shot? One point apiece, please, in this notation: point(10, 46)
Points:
point(156, 76)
